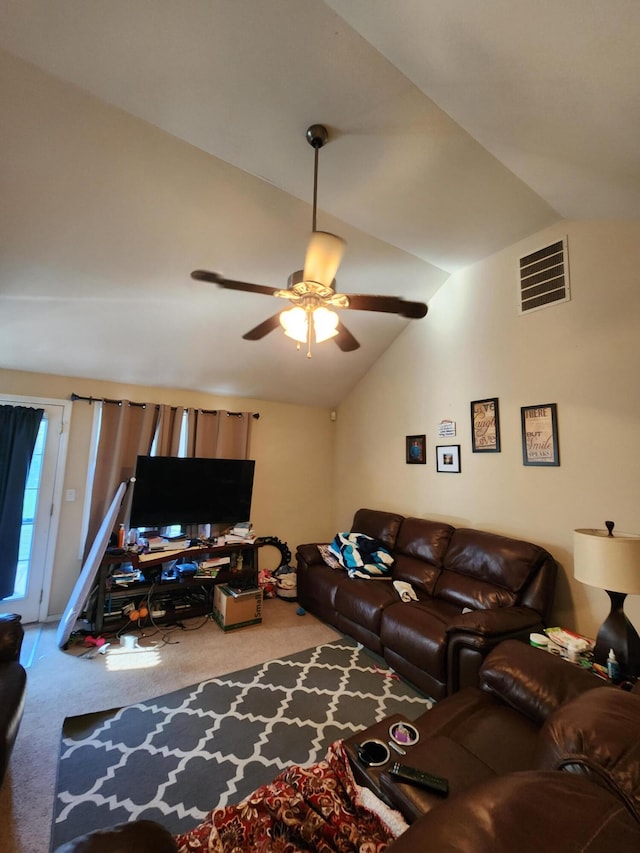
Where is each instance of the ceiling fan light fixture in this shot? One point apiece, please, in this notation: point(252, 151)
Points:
point(294, 323)
point(325, 324)
point(323, 257)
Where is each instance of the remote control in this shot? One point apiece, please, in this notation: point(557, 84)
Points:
point(419, 777)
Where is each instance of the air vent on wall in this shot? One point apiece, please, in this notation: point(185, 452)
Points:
point(544, 277)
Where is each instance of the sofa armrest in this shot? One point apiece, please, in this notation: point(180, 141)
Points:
point(11, 635)
point(502, 621)
point(597, 736)
point(308, 555)
point(533, 681)
point(471, 636)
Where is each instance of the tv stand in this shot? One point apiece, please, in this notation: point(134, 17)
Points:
point(177, 597)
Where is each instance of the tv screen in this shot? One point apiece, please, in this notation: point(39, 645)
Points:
point(171, 490)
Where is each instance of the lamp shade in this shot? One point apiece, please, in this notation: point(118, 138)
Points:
point(610, 562)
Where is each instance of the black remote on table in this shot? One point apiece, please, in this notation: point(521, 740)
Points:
point(419, 777)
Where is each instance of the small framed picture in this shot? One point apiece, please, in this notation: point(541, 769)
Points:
point(485, 426)
point(540, 435)
point(448, 458)
point(416, 449)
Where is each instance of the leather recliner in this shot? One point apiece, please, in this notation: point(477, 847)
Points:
point(13, 682)
point(542, 755)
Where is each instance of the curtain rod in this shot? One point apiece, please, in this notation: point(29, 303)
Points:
point(75, 397)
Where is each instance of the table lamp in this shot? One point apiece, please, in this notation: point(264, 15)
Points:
point(612, 562)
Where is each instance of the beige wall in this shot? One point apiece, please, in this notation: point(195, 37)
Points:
point(292, 446)
point(583, 355)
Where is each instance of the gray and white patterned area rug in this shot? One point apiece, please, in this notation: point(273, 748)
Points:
point(176, 757)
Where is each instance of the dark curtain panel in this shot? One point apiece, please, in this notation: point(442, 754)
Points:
point(18, 432)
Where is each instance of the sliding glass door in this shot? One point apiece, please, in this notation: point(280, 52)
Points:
point(40, 510)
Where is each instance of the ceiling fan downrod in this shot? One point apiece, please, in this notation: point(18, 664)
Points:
point(317, 136)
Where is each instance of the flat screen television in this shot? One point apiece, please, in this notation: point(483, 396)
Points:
point(171, 490)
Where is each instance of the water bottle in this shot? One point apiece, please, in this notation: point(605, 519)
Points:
point(613, 667)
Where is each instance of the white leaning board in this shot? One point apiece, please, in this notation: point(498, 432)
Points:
point(89, 571)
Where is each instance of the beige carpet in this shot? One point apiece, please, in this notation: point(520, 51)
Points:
point(62, 684)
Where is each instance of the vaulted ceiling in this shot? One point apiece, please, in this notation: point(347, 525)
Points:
point(142, 140)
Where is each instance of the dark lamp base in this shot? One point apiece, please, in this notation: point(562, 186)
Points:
point(617, 633)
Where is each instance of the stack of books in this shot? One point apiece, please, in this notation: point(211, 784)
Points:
point(210, 568)
point(157, 543)
point(241, 532)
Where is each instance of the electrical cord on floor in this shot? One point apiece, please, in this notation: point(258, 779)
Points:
point(168, 630)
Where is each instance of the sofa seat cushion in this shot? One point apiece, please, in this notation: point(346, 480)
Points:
point(497, 735)
point(319, 585)
point(363, 601)
point(417, 632)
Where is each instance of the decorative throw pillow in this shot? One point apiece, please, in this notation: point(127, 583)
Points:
point(329, 558)
point(361, 555)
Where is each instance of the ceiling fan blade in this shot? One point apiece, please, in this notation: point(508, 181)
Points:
point(323, 257)
point(345, 339)
point(388, 305)
point(263, 328)
point(230, 284)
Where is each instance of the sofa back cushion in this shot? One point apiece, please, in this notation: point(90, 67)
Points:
point(532, 681)
point(485, 571)
point(380, 525)
point(420, 549)
point(597, 735)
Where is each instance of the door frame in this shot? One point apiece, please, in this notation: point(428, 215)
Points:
point(60, 465)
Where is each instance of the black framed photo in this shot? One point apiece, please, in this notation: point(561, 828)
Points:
point(416, 449)
point(540, 435)
point(485, 426)
point(448, 458)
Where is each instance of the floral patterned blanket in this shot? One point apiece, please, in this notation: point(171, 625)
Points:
point(313, 809)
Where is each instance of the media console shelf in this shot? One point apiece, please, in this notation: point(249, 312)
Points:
point(170, 598)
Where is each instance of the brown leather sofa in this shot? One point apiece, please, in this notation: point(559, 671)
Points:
point(507, 586)
point(13, 682)
point(542, 755)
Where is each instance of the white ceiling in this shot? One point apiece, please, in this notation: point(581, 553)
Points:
point(165, 137)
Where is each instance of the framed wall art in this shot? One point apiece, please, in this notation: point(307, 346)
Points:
point(416, 449)
point(448, 458)
point(540, 435)
point(485, 426)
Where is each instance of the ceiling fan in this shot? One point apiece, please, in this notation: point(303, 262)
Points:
point(312, 290)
